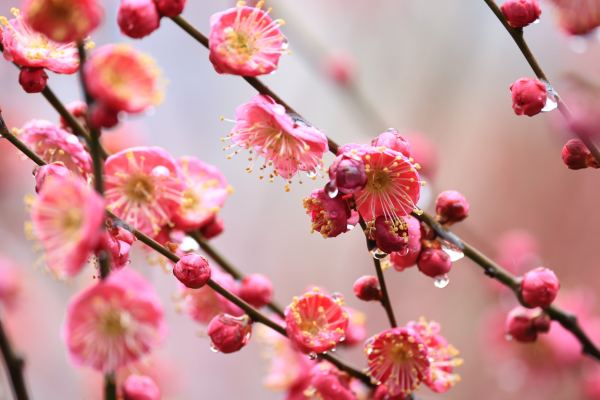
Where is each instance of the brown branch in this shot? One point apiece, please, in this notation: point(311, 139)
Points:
point(517, 35)
point(14, 366)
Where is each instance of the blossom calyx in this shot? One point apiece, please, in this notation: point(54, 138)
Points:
point(539, 287)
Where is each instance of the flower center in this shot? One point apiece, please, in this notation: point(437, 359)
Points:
point(311, 327)
point(399, 354)
point(240, 42)
point(191, 199)
point(72, 221)
point(379, 181)
point(114, 322)
point(140, 188)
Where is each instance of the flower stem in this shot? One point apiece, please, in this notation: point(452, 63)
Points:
point(385, 298)
point(226, 265)
point(14, 365)
point(517, 35)
point(110, 386)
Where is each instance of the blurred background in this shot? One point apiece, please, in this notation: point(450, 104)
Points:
point(439, 71)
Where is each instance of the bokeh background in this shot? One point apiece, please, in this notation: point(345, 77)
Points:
point(440, 69)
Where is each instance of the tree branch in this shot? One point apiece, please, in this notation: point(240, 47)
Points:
point(14, 366)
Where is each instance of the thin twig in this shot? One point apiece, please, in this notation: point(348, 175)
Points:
point(14, 365)
point(517, 35)
point(385, 298)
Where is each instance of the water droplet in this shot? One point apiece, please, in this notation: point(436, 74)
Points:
point(331, 189)
point(378, 254)
point(441, 281)
point(312, 355)
point(312, 173)
point(508, 336)
point(452, 250)
point(161, 170)
point(350, 227)
point(551, 98)
point(72, 139)
point(333, 350)
point(189, 244)
point(338, 298)
point(343, 338)
point(537, 21)
point(431, 359)
point(392, 130)
point(404, 252)
point(213, 348)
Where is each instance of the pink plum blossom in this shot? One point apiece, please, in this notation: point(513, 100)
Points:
point(329, 216)
point(205, 193)
point(119, 243)
point(64, 21)
point(139, 387)
point(328, 383)
point(28, 48)
point(114, 323)
point(67, 217)
point(10, 282)
point(144, 186)
point(245, 41)
point(401, 262)
point(264, 128)
point(56, 170)
point(56, 145)
point(577, 17)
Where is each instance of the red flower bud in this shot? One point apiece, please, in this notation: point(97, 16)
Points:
point(451, 207)
point(170, 8)
point(367, 288)
point(138, 387)
point(576, 155)
point(192, 270)
point(256, 290)
point(33, 79)
point(542, 322)
point(213, 228)
point(540, 287)
point(229, 334)
point(348, 172)
point(391, 139)
point(529, 96)
point(434, 262)
point(138, 18)
point(519, 325)
point(520, 13)
point(56, 169)
point(103, 117)
point(391, 235)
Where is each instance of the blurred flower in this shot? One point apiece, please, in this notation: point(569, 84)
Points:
point(328, 383)
point(170, 8)
point(79, 109)
point(203, 304)
point(316, 322)
point(10, 284)
point(424, 151)
point(64, 21)
point(264, 128)
point(577, 17)
point(114, 322)
point(245, 41)
point(398, 359)
point(67, 217)
point(139, 387)
point(54, 170)
point(205, 193)
point(256, 290)
point(357, 328)
point(144, 187)
point(56, 145)
point(213, 229)
point(340, 66)
point(138, 18)
point(123, 137)
point(367, 288)
point(29, 48)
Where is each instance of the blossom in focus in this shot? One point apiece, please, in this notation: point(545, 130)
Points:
point(28, 48)
point(434, 262)
point(316, 322)
point(114, 322)
point(121, 78)
point(256, 290)
point(56, 145)
point(540, 287)
point(138, 18)
point(56, 170)
point(264, 128)
point(327, 382)
point(576, 155)
point(442, 356)
point(393, 184)
point(139, 387)
point(397, 359)
point(245, 41)
point(229, 334)
point(390, 235)
point(64, 20)
point(203, 304)
point(529, 96)
point(119, 243)
point(329, 216)
point(205, 193)
point(391, 139)
point(577, 17)
point(401, 262)
point(520, 13)
point(144, 186)
point(67, 217)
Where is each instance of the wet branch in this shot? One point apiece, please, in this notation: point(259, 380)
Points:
point(14, 365)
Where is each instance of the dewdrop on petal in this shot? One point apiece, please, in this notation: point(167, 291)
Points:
point(398, 359)
point(139, 387)
point(245, 41)
point(29, 48)
point(138, 18)
point(315, 322)
point(229, 334)
point(64, 20)
point(265, 130)
point(435, 263)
